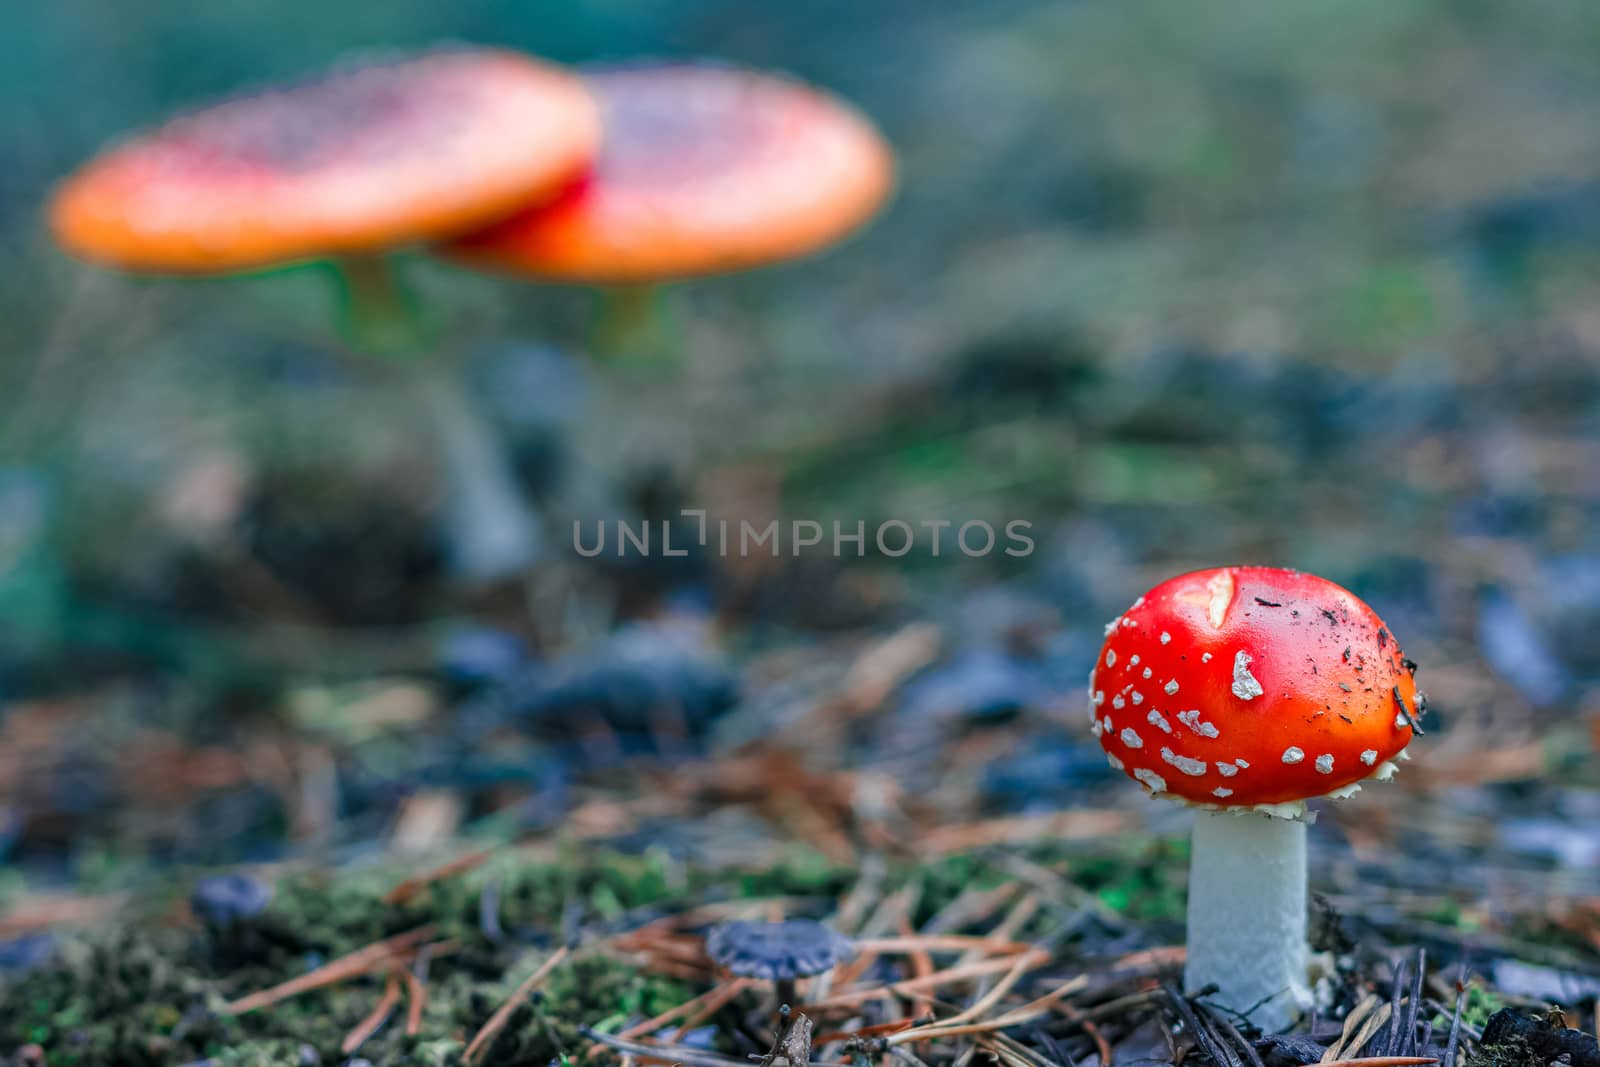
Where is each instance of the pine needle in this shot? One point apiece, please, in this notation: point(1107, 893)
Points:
point(502, 1014)
point(379, 1015)
point(348, 966)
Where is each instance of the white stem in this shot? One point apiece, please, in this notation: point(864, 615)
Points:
point(490, 532)
point(1247, 915)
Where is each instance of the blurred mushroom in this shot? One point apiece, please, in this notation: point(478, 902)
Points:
point(347, 167)
point(221, 900)
point(21, 954)
point(703, 169)
point(352, 163)
point(777, 952)
point(1243, 692)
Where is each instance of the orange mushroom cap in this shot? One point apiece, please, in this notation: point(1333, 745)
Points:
point(361, 159)
point(1251, 687)
point(702, 170)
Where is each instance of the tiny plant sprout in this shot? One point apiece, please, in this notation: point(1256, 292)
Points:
point(346, 168)
point(1267, 688)
point(779, 952)
point(703, 169)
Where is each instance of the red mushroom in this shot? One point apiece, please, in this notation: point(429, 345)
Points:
point(703, 169)
point(366, 158)
point(349, 167)
point(1245, 691)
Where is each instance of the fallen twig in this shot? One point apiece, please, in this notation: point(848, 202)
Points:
point(957, 1026)
point(378, 1016)
point(1027, 961)
point(688, 1008)
point(61, 910)
point(712, 1003)
point(417, 883)
point(1453, 1042)
point(1060, 825)
point(887, 946)
point(416, 1000)
point(348, 966)
point(502, 1014)
point(866, 1032)
point(1102, 1046)
point(1214, 1049)
point(692, 1057)
point(1226, 1029)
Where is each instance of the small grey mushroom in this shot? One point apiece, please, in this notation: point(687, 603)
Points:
point(778, 952)
point(222, 900)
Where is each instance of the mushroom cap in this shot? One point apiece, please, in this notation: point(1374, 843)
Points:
point(781, 951)
point(1251, 687)
point(361, 159)
point(224, 899)
point(24, 953)
point(702, 170)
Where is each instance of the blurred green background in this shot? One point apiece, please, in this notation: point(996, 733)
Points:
point(1307, 285)
point(1181, 285)
point(1290, 285)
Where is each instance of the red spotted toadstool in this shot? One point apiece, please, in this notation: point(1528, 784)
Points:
point(1244, 692)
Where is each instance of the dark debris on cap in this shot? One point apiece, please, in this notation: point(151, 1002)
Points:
point(781, 951)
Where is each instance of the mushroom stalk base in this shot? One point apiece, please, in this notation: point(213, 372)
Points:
point(490, 532)
point(1247, 916)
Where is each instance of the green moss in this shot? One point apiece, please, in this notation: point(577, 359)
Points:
point(1146, 883)
point(1475, 1009)
point(150, 993)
